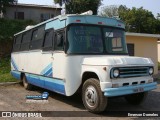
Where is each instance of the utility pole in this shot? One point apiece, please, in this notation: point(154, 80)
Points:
point(16, 2)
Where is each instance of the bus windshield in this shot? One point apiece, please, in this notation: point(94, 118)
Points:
point(87, 39)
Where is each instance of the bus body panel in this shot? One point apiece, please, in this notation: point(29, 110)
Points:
point(39, 70)
point(64, 79)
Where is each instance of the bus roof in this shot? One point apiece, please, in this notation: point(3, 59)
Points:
point(93, 19)
point(62, 21)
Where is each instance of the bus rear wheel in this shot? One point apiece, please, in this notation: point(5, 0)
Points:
point(92, 96)
point(26, 85)
point(136, 99)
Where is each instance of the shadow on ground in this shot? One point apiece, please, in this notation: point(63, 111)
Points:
point(117, 106)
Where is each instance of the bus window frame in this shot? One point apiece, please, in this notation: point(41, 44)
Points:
point(28, 36)
point(31, 47)
point(49, 48)
point(63, 31)
point(14, 43)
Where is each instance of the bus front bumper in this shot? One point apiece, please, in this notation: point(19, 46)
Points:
point(112, 92)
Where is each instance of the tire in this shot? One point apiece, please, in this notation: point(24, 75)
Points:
point(92, 96)
point(21, 82)
point(136, 99)
point(26, 85)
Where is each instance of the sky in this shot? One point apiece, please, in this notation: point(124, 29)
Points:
point(151, 5)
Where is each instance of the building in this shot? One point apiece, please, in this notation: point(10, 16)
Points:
point(33, 12)
point(143, 45)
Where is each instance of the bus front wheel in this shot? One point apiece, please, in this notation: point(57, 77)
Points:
point(26, 85)
point(92, 96)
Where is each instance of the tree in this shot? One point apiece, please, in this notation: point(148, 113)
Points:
point(114, 10)
point(122, 10)
point(109, 11)
point(79, 6)
point(61, 2)
point(4, 3)
point(138, 20)
point(158, 16)
point(157, 26)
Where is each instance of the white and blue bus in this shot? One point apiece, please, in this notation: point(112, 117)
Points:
point(85, 53)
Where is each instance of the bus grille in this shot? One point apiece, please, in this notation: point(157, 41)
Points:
point(133, 72)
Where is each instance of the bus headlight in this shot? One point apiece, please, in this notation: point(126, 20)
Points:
point(115, 73)
point(151, 70)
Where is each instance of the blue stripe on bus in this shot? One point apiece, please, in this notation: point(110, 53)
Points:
point(47, 70)
point(55, 85)
point(16, 74)
point(52, 84)
point(50, 74)
point(14, 64)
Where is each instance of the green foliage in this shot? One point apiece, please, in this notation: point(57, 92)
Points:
point(9, 27)
point(61, 2)
point(4, 66)
point(79, 6)
point(157, 26)
point(5, 69)
point(4, 3)
point(109, 11)
point(137, 20)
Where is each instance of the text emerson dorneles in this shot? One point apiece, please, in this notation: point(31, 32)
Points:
point(142, 114)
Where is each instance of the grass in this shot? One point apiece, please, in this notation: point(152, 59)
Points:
point(5, 69)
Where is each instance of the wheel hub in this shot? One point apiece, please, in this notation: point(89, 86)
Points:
point(91, 96)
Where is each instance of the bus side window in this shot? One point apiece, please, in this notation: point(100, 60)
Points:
point(59, 40)
point(17, 43)
point(48, 40)
point(26, 40)
point(37, 38)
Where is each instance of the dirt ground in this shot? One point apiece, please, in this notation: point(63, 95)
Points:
point(13, 98)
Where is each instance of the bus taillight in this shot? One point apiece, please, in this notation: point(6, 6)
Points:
point(78, 20)
point(100, 22)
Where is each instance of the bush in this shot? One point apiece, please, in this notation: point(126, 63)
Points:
point(9, 27)
point(5, 69)
point(7, 30)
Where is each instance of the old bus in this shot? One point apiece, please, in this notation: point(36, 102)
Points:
point(81, 52)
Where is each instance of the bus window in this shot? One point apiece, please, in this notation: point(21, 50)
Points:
point(37, 38)
point(26, 41)
point(17, 43)
point(34, 36)
point(59, 40)
point(48, 40)
point(84, 39)
point(18, 39)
